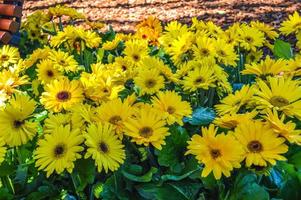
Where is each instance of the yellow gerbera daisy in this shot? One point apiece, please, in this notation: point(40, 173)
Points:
point(62, 94)
point(104, 147)
point(225, 53)
point(8, 55)
point(261, 144)
point(204, 48)
point(136, 50)
point(149, 80)
point(219, 153)
point(57, 151)
point(200, 78)
point(283, 94)
point(250, 38)
point(172, 106)
point(63, 61)
point(267, 67)
point(15, 127)
point(292, 25)
point(47, 72)
point(231, 121)
point(285, 129)
point(147, 128)
point(267, 29)
point(234, 102)
point(2, 150)
point(10, 80)
point(116, 113)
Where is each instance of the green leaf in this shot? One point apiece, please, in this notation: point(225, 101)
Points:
point(6, 169)
point(86, 171)
point(97, 190)
point(21, 174)
point(144, 178)
point(201, 116)
point(187, 189)
point(166, 191)
point(283, 49)
point(296, 160)
point(174, 149)
point(246, 187)
point(5, 195)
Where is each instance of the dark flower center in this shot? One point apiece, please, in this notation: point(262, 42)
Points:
point(249, 39)
point(150, 83)
point(18, 123)
point(215, 153)
point(171, 109)
point(146, 132)
point(124, 68)
point(205, 52)
point(50, 73)
point(255, 146)
point(198, 80)
point(63, 96)
point(221, 53)
point(4, 57)
point(103, 147)
point(279, 101)
point(136, 57)
point(59, 150)
point(115, 119)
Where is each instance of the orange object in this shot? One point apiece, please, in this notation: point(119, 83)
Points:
point(5, 37)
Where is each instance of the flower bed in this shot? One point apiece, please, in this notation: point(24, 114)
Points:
point(168, 112)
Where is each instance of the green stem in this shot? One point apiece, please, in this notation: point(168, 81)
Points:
point(60, 24)
point(211, 93)
point(7, 183)
point(74, 185)
point(19, 156)
point(151, 158)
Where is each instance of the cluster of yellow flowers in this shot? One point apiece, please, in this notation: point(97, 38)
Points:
point(74, 104)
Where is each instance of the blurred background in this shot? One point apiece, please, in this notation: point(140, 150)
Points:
point(125, 14)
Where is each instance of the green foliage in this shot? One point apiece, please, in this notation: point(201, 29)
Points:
point(282, 49)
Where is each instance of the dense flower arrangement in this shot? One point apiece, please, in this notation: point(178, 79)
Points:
point(167, 112)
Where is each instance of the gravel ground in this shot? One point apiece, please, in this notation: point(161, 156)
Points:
point(123, 15)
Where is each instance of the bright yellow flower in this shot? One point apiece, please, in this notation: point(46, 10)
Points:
point(8, 55)
point(47, 72)
point(225, 53)
point(204, 48)
point(149, 81)
point(63, 61)
point(15, 126)
point(261, 144)
point(283, 94)
point(250, 38)
point(57, 151)
point(62, 94)
point(104, 147)
point(135, 51)
point(147, 128)
point(172, 107)
point(219, 153)
point(292, 25)
point(231, 121)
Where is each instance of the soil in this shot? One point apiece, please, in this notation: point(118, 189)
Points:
point(123, 15)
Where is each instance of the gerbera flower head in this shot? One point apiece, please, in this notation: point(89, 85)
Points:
point(231, 121)
point(172, 106)
point(47, 72)
point(292, 25)
point(283, 94)
point(149, 81)
point(15, 126)
point(136, 50)
point(219, 153)
point(116, 113)
point(104, 147)
point(225, 53)
point(8, 55)
point(63, 61)
point(261, 144)
point(199, 78)
point(62, 94)
point(250, 38)
point(147, 127)
point(284, 128)
point(204, 48)
point(57, 151)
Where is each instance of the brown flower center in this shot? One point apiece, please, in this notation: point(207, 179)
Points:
point(255, 146)
point(279, 101)
point(62, 62)
point(221, 53)
point(115, 119)
point(18, 123)
point(249, 39)
point(136, 57)
point(4, 57)
point(50, 73)
point(215, 153)
point(103, 147)
point(63, 96)
point(59, 150)
point(198, 80)
point(171, 110)
point(205, 52)
point(150, 83)
point(146, 132)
